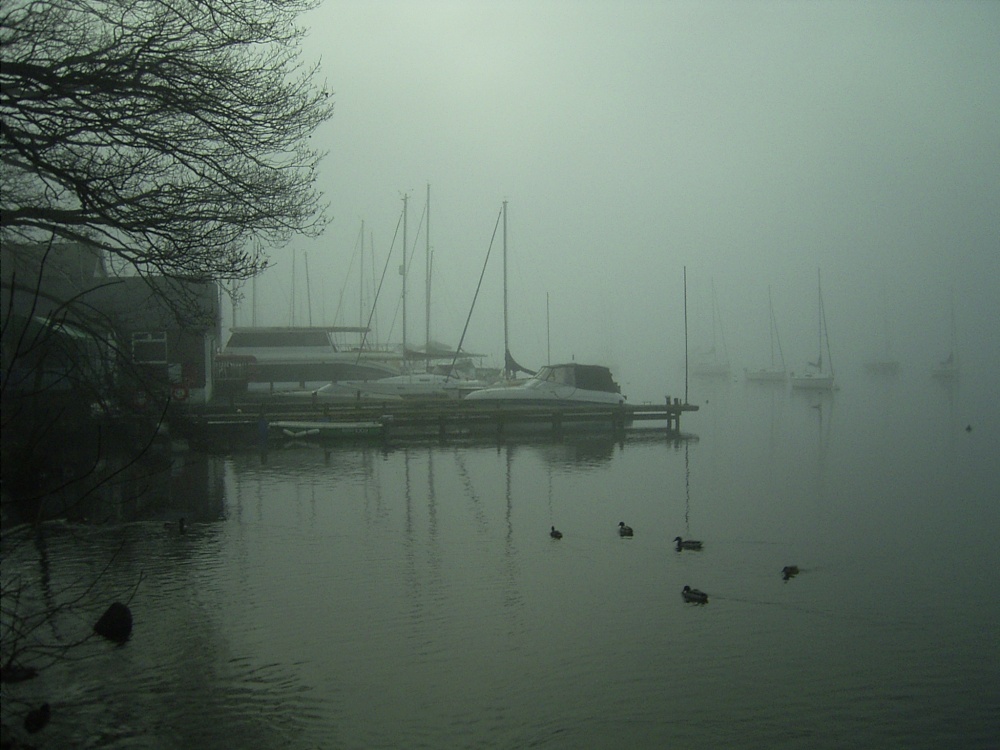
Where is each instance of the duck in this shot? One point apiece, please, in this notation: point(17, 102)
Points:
point(694, 595)
point(687, 543)
point(555, 533)
point(624, 530)
point(789, 570)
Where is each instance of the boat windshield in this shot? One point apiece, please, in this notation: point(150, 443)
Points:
point(556, 375)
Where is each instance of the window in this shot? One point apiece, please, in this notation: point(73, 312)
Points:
point(150, 348)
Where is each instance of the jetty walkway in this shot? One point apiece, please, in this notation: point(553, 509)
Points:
point(258, 420)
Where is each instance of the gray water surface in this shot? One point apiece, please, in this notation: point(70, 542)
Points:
point(410, 596)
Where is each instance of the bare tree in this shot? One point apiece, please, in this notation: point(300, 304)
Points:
point(172, 134)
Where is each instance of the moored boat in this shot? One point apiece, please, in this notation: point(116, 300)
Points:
point(302, 355)
point(776, 373)
point(568, 384)
point(820, 376)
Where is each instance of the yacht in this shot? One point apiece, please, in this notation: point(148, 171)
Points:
point(568, 384)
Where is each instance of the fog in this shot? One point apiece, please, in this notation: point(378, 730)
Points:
point(750, 143)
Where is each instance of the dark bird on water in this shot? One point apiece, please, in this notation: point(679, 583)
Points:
point(624, 530)
point(555, 533)
point(789, 570)
point(694, 595)
point(686, 543)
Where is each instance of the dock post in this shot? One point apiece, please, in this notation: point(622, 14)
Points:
point(618, 419)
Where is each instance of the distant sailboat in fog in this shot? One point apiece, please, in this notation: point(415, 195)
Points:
point(884, 363)
point(948, 368)
point(819, 376)
point(776, 373)
point(712, 364)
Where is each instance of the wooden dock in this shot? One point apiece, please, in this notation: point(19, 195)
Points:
point(273, 419)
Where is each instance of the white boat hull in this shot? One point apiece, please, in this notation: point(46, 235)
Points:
point(424, 385)
point(813, 382)
point(554, 385)
point(766, 376)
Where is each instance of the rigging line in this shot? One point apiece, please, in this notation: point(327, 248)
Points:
point(474, 296)
point(364, 336)
point(407, 261)
point(360, 242)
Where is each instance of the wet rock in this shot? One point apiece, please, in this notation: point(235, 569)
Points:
point(115, 624)
point(37, 718)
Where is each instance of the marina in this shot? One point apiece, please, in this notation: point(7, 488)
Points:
point(270, 420)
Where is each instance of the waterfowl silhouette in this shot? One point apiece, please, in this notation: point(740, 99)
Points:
point(687, 543)
point(694, 595)
point(789, 570)
point(555, 533)
point(624, 530)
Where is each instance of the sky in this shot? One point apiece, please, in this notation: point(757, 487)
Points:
point(753, 145)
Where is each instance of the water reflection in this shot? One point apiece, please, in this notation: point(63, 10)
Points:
point(409, 595)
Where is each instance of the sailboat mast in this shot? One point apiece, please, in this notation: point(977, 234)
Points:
point(954, 331)
point(685, 334)
point(309, 304)
point(770, 307)
point(361, 278)
point(427, 281)
point(777, 336)
point(548, 335)
point(506, 330)
point(402, 272)
point(819, 319)
point(823, 328)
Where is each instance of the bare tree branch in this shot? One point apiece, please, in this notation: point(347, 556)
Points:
point(172, 135)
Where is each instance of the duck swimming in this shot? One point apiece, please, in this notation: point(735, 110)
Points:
point(694, 595)
point(624, 530)
point(789, 570)
point(687, 543)
point(555, 533)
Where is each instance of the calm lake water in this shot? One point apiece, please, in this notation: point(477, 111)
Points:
point(410, 596)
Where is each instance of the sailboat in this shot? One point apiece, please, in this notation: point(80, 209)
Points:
point(711, 364)
point(776, 373)
point(947, 369)
point(819, 377)
point(886, 363)
point(451, 381)
point(559, 385)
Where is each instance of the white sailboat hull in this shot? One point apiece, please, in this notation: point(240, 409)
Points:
point(766, 376)
point(813, 382)
point(711, 370)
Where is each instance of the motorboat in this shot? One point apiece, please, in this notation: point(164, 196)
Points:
point(569, 384)
point(424, 385)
